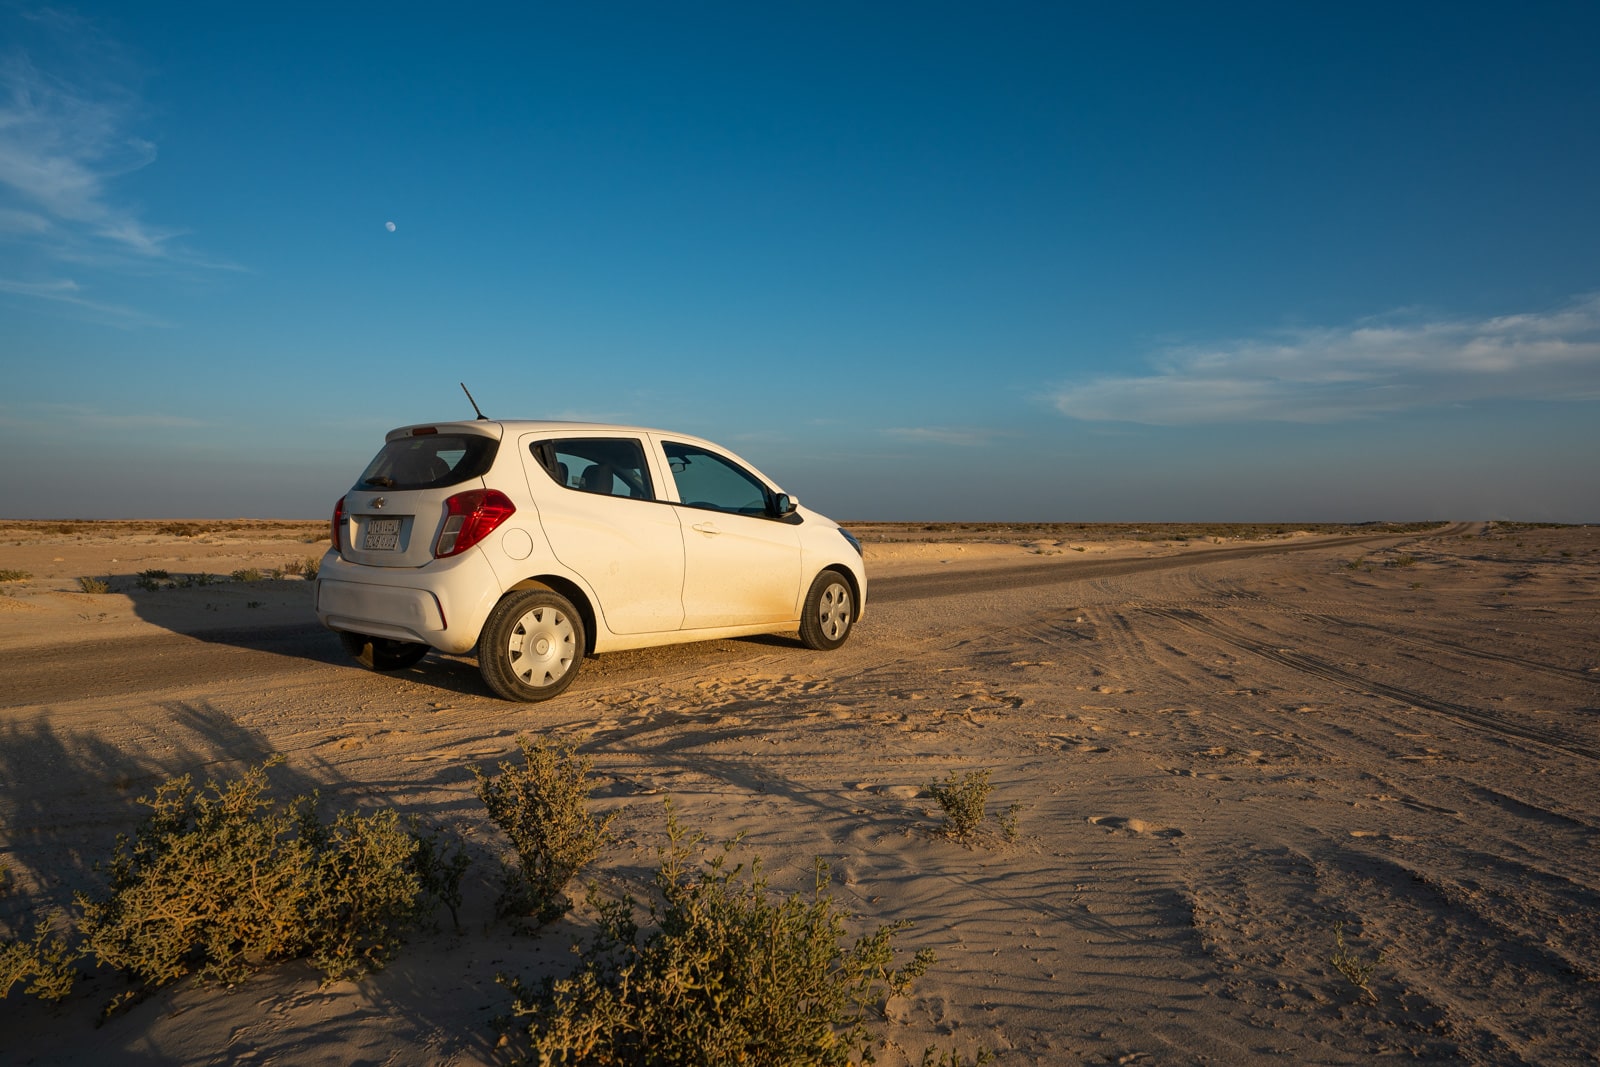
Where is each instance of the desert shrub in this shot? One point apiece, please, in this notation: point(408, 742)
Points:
point(224, 879)
point(541, 806)
point(44, 964)
point(152, 579)
point(726, 974)
point(311, 566)
point(94, 585)
point(1357, 970)
point(963, 799)
point(294, 566)
point(180, 529)
point(932, 1057)
point(247, 574)
point(1403, 561)
point(1011, 821)
point(440, 864)
point(7, 575)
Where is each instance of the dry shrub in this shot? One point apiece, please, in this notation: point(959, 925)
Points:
point(46, 962)
point(727, 974)
point(963, 799)
point(225, 879)
point(541, 806)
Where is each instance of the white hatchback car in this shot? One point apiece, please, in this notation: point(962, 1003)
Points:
point(543, 542)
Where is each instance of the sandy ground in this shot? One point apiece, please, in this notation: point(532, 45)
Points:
point(1219, 762)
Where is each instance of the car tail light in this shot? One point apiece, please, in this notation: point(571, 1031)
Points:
point(469, 518)
point(337, 532)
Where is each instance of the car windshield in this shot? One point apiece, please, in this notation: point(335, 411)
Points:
point(429, 461)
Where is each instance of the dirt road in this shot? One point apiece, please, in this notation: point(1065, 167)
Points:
point(150, 664)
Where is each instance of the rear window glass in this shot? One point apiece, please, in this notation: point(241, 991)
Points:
point(430, 461)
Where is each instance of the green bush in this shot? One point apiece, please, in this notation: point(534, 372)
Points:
point(727, 975)
point(541, 806)
point(225, 879)
point(963, 799)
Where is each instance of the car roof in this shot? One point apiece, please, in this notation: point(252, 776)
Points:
point(500, 428)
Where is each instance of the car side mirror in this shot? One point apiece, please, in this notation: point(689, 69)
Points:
point(784, 505)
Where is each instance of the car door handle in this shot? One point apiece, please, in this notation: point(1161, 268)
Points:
point(709, 528)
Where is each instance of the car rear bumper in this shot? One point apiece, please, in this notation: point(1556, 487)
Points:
point(442, 605)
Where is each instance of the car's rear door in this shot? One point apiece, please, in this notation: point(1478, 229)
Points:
point(599, 509)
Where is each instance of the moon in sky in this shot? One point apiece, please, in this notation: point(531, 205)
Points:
point(389, 226)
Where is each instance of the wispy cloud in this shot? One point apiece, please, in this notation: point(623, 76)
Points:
point(1400, 362)
point(941, 435)
point(80, 418)
point(68, 116)
point(67, 291)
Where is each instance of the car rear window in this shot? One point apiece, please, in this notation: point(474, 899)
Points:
point(429, 461)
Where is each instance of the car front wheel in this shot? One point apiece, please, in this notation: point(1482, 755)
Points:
point(532, 645)
point(382, 653)
point(829, 612)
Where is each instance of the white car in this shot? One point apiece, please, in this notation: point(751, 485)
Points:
point(540, 543)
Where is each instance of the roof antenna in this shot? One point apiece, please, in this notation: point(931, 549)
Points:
point(471, 401)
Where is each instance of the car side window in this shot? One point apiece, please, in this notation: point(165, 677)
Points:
point(610, 466)
point(707, 480)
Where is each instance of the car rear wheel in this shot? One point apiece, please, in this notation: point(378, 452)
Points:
point(829, 612)
point(382, 653)
point(532, 645)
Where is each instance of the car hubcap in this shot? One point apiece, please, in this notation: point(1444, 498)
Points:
point(542, 646)
point(833, 611)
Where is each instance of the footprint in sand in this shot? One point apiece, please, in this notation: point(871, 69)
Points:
point(1134, 826)
point(898, 792)
point(1210, 776)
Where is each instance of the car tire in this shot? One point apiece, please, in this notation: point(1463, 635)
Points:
point(382, 653)
point(829, 613)
point(532, 645)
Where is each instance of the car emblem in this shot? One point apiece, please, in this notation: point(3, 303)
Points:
point(376, 502)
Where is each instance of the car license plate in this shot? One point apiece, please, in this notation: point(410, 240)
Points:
point(383, 535)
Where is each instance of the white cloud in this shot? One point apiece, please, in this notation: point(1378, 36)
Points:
point(940, 435)
point(61, 145)
point(1398, 363)
point(67, 291)
point(69, 107)
point(78, 418)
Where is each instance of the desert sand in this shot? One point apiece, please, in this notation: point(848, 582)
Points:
point(1225, 745)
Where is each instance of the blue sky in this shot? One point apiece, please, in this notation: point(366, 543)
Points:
point(940, 261)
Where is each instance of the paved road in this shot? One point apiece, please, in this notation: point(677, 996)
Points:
point(177, 662)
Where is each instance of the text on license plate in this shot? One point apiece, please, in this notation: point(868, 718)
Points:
point(383, 535)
